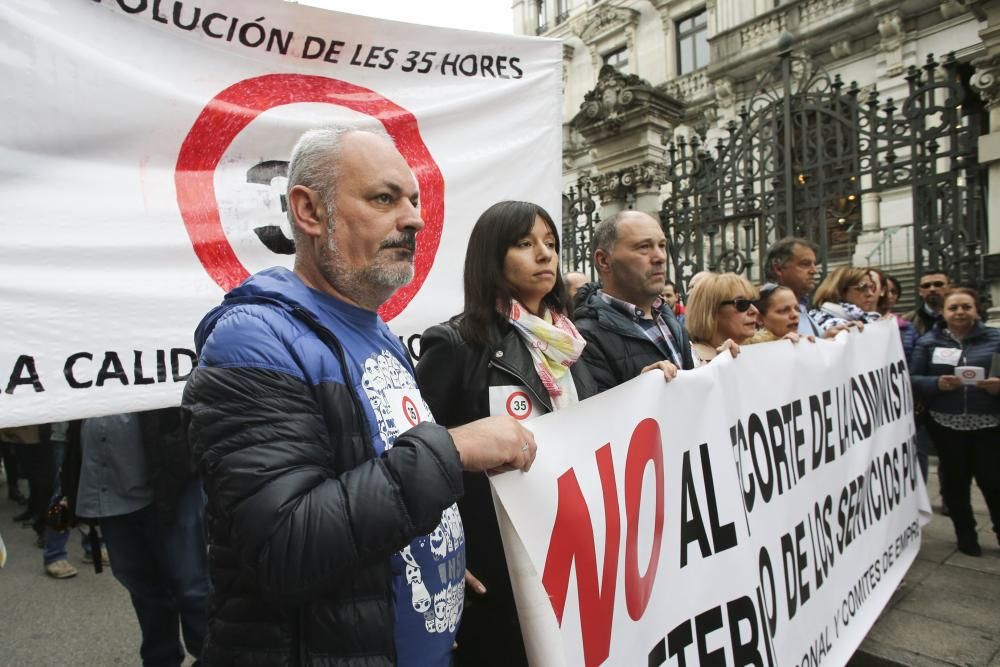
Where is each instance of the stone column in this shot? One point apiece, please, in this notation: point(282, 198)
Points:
point(610, 207)
point(670, 46)
point(612, 195)
point(986, 81)
point(649, 200)
point(871, 228)
point(870, 221)
point(633, 50)
point(645, 180)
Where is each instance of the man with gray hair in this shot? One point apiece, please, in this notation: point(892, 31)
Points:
point(791, 263)
point(333, 532)
point(628, 326)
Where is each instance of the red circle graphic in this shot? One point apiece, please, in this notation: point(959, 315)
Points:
point(229, 112)
point(408, 403)
point(516, 414)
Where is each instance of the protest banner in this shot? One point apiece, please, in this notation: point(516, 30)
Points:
point(759, 510)
point(144, 157)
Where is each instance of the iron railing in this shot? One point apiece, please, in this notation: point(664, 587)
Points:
point(797, 162)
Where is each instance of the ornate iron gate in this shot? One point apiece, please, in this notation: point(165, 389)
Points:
point(804, 152)
point(579, 217)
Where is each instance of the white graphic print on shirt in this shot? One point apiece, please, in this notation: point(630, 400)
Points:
point(383, 379)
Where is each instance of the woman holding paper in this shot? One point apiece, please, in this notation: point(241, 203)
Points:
point(512, 351)
point(950, 368)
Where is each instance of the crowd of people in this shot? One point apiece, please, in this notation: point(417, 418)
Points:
point(338, 534)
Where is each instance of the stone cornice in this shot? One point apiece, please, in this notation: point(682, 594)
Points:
point(602, 21)
point(619, 97)
point(645, 175)
point(986, 79)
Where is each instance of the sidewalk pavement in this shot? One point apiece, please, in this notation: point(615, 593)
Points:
point(46, 622)
point(947, 610)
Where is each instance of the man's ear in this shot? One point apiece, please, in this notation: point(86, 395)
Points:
point(602, 261)
point(307, 210)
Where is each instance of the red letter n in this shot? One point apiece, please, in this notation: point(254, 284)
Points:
point(573, 540)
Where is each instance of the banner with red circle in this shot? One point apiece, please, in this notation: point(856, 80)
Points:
point(232, 110)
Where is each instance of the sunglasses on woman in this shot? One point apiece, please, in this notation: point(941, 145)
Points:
point(742, 305)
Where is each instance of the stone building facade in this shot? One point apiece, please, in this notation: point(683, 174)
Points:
point(639, 75)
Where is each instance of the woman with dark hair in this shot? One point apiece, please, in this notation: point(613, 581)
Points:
point(848, 295)
point(950, 370)
point(890, 295)
point(892, 291)
point(512, 351)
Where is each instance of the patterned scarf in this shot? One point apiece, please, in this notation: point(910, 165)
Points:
point(554, 345)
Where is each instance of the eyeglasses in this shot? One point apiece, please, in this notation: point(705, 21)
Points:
point(933, 283)
point(864, 287)
point(742, 305)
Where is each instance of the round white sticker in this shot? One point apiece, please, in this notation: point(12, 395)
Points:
point(410, 411)
point(519, 405)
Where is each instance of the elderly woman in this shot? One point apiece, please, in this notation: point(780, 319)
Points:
point(964, 410)
point(720, 315)
point(849, 294)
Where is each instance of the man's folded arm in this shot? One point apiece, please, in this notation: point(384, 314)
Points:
point(265, 454)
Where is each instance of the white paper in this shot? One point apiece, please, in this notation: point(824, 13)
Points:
point(970, 374)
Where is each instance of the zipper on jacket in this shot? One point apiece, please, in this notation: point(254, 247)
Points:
point(510, 371)
point(965, 388)
point(962, 360)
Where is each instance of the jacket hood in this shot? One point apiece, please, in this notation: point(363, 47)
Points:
point(586, 301)
point(276, 286)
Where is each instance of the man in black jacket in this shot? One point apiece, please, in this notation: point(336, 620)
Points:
point(627, 324)
point(333, 531)
point(931, 288)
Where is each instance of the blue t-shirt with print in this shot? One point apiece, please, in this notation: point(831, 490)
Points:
point(429, 574)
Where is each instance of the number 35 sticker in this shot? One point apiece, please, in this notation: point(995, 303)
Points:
point(513, 401)
point(407, 408)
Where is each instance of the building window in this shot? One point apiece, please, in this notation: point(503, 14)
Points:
point(617, 58)
point(540, 25)
point(562, 10)
point(692, 42)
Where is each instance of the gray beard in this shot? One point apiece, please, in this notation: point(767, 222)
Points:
point(369, 287)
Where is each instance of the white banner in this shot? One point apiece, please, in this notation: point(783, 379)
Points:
point(143, 156)
point(760, 510)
